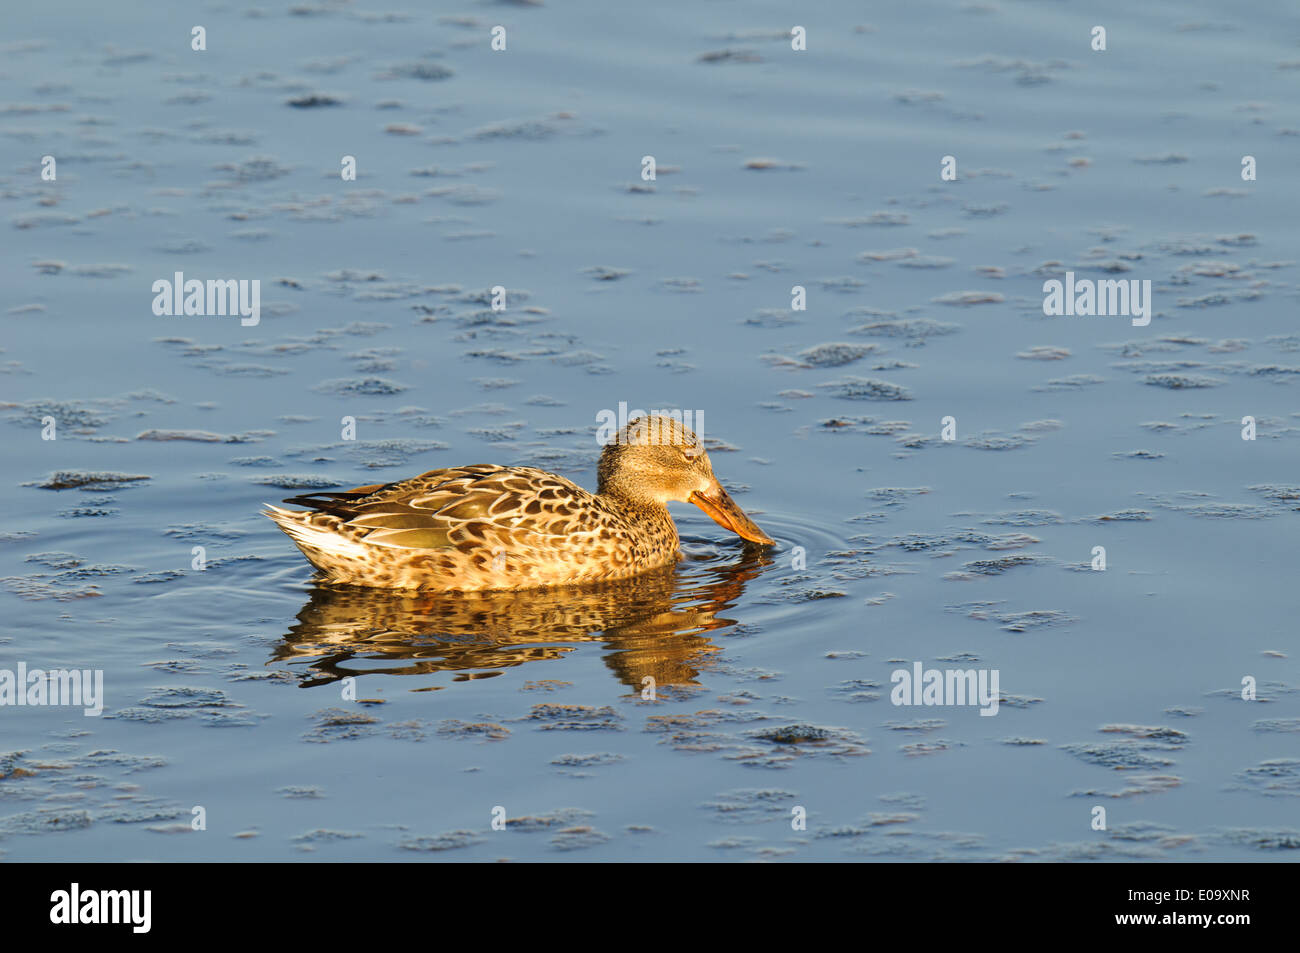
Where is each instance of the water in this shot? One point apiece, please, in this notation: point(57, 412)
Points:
point(225, 687)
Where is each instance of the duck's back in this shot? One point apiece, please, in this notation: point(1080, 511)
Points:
point(476, 527)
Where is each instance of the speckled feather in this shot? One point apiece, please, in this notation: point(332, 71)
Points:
point(478, 527)
point(491, 527)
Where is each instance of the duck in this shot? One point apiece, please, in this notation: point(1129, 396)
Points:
point(489, 527)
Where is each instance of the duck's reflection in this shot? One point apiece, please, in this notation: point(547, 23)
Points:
point(652, 625)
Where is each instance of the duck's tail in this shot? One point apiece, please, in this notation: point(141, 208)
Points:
point(329, 545)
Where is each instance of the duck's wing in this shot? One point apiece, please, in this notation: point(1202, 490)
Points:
point(464, 506)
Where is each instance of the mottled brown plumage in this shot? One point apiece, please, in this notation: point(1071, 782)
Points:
point(492, 527)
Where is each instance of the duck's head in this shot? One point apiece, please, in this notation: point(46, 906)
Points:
point(655, 459)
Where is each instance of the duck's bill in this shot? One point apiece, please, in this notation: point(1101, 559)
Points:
point(724, 511)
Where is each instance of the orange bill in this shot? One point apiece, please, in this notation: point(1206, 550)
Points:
point(724, 511)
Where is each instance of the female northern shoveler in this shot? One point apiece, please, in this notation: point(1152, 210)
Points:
point(491, 527)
